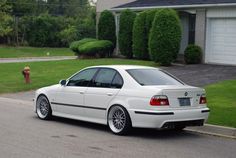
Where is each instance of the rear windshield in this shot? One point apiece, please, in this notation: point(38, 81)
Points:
point(148, 77)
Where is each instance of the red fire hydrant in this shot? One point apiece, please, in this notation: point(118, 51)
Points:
point(26, 73)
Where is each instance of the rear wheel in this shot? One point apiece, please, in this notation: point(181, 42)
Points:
point(43, 108)
point(119, 121)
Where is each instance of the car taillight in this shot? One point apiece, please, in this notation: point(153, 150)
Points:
point(203, 99)
point(159, 100)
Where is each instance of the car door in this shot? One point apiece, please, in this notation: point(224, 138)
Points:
point(70, 98)
point(104, 87)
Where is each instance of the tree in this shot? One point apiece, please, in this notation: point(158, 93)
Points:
point(106, 27)
point(5, 18)
point(125, 32)
point(165, 36)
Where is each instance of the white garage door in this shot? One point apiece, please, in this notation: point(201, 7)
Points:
point(221, 41)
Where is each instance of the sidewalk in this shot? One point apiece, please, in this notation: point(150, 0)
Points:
point(35, 59)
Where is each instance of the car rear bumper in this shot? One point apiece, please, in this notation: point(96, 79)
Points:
point(168, 119)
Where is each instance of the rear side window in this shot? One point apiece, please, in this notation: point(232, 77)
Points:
point(148, 77)
point(117, 81)
point(104, 78)
point(107, 78)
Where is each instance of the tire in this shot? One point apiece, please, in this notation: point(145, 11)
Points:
point(119, 120)
point(43, 108)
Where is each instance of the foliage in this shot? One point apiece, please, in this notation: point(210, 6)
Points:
point(98, 47)
point(43, 31)
point(165, 36)
point(150, 14)
point(74, 46)
point(106, 27)
point(73, 20)
point(193, 54)
point(5, 18)
point(125, 34)
point(140, 37)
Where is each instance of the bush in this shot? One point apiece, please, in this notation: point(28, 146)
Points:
point(193, 54)
point(165, 36)
point(106, 27)
point(140, 37)
point(150, 14)
point(125, 34)
point(74, 46)
point(94, 48)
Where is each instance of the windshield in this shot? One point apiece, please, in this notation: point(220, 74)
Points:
point(148, 77)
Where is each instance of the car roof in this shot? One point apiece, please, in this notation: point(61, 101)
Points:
point(123, 67)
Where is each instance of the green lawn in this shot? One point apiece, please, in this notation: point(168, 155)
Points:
point(222, 102)
point(50, 72)
point(17, 52)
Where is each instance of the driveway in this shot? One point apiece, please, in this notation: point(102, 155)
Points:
point(23, 135)
point(202, 74)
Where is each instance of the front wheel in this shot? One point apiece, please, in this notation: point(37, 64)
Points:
point(119, 121)
point(43, 108)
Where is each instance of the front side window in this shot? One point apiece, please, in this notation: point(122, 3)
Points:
point(149, 77)
point(104, 78)
point(83, 78)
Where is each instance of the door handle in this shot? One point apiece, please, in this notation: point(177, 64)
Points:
point(81, 92)
point(109, 94)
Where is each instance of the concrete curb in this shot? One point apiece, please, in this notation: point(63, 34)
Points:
point(214, 130)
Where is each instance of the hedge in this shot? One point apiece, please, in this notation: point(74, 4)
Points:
point(74, 46)
point(150, 14)
point(165, 36)
point(107, 27)
point(125, 34)
point(193, 54)
point(140, 37)
point(94, 48)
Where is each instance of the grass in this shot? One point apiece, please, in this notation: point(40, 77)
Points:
point(17, 52)
point(222, 102)
point(50, 72)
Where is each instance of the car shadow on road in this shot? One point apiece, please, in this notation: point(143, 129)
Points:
point(134, 133)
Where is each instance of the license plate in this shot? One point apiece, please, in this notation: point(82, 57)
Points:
point(184, 102)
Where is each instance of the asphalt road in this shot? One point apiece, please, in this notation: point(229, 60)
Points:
point(23, 135)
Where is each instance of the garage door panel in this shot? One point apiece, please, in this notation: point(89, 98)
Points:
point(221, 44)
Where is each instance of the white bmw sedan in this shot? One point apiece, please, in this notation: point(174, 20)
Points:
point(123, 97)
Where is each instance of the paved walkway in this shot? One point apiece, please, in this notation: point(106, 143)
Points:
point(202, 74)
point(35, 59)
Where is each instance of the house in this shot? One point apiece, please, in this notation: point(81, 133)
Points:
point(210, 24)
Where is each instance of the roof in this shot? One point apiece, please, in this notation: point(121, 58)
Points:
point(174, 3)
point(123, 67)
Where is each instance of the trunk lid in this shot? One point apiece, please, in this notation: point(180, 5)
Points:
point(183, 96)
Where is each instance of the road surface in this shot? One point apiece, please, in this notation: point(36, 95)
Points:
point(23, 135)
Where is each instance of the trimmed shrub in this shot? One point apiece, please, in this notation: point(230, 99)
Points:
point(165, 37)
point(106, 27)
point(140, 37)
point(74, 46)
point(125, 34)
point(150, 14)
point(193, 54)
point(96, 48)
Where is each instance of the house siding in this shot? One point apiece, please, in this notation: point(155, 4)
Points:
point(108, 4)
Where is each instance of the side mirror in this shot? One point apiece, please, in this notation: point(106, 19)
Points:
point(62, 82)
